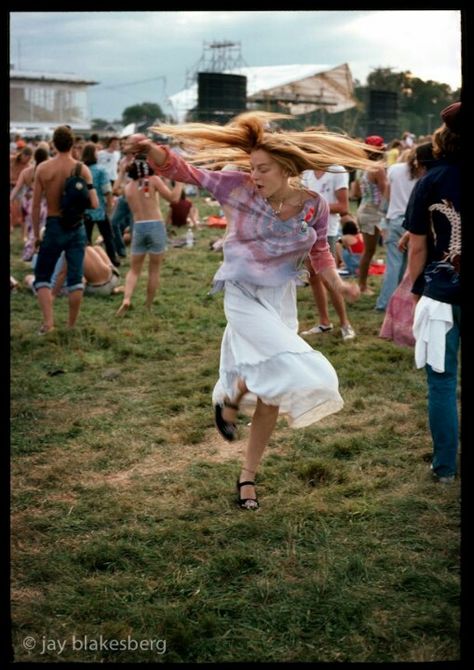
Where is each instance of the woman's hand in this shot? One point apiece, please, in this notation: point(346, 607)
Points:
point(403, 242)
point(350, 291)
point(138, 143)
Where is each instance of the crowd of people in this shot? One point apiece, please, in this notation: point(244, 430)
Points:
point(286, 197)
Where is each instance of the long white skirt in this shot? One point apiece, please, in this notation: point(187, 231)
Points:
point(261, 345)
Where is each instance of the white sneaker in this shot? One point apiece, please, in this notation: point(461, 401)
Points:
point(316, 330)
point(348, 332)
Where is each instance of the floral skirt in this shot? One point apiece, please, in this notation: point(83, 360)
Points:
point(261, 345)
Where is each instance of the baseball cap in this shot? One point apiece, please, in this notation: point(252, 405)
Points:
point(375, 141)
point(451, 115)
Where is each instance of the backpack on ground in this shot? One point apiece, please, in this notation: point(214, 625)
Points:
point(75, 199)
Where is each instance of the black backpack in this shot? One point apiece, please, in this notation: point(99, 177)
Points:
point(75, 199)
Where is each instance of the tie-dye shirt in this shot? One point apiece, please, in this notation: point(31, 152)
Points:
point(259, 247)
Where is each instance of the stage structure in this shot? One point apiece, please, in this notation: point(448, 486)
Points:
point(295, 89)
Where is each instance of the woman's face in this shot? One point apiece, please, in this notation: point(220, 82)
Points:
point(267, 175)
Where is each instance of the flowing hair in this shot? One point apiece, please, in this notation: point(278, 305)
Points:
point(214, 146)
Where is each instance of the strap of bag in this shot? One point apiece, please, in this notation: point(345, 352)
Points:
point(77, 170)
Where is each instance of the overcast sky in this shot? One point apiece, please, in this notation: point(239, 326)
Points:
point(121, 49)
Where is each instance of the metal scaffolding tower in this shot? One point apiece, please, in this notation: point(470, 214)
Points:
point(217, 57)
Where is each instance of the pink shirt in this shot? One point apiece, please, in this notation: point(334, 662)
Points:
point(259, 247)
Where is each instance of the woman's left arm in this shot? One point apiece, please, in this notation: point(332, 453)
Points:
point(323, 261)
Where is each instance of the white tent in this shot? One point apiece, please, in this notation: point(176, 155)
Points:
point(301, 88)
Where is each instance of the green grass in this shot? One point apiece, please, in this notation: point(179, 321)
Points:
point(124, 523)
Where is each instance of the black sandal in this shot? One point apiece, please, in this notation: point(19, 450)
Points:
point(241, 502)
point(227, 429)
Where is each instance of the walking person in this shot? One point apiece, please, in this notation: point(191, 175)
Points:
point(149, 230)
point(23, 190)
point(401, 178)
point(50, 179)
point(101, 214)
point(333, 185)
point(370, 185)
point(272, 225)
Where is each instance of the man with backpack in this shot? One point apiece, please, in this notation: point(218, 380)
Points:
point(68, 188)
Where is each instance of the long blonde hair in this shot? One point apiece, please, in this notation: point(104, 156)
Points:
point(214, 146)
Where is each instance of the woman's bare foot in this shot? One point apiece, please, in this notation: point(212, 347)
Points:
point(123, 309)
point(366, 291)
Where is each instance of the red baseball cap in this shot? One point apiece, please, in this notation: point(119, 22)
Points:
point(375, 141)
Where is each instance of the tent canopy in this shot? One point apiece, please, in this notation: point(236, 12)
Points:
point(300, 88)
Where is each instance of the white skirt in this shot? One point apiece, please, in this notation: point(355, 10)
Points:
point(261, 345)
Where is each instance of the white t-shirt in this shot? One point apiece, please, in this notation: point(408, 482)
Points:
point(401, 186)
point(109, 160)
point(326, 186)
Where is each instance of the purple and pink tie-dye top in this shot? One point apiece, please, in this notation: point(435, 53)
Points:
point(259, 247)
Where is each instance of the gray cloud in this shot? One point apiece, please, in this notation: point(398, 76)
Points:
point(116, 48)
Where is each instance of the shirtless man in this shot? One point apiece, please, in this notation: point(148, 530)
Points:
point(149, 231)
point(49, 180)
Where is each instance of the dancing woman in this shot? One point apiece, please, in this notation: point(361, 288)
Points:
point(273, 223)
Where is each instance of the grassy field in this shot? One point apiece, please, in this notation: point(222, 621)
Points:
point(127, 544)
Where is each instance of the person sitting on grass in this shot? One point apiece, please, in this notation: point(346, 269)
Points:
point(100, 275)
point(149, 231)
point(350, 246)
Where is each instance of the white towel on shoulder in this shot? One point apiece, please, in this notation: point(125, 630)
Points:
point(432, 320)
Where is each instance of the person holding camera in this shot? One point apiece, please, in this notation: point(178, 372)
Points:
point(149, 230)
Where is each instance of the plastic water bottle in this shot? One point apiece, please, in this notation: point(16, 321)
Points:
point(190, 238)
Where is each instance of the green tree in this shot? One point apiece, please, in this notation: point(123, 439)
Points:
point(97, 124)
point(146, 112)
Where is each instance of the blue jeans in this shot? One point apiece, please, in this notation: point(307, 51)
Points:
point(121, 219)
point(395, 262)
point(56, 239)
point(442, 404)
point(351, 261)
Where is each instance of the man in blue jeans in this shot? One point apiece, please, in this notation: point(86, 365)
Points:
point(50, 178)
point(434, 254)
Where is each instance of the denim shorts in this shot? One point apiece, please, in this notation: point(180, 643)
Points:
point(55, 240)
point(149, 237)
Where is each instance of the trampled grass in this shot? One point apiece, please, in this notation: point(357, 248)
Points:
point(124, 523)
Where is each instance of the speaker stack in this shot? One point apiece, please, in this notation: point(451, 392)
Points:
point(383, 114)
point(220, 96)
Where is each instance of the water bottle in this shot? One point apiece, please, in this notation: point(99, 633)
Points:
point(190, 238)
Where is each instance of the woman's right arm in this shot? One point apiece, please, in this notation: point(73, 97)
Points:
point(169, 164)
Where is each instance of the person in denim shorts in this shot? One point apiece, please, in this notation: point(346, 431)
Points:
point(49, 180)
point(149, 231)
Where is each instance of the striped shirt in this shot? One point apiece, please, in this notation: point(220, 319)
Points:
point(259, 247)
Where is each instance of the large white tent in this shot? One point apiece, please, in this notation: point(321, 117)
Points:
point(301, 88)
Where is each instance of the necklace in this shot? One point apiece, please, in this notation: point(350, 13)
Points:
point(277, 211)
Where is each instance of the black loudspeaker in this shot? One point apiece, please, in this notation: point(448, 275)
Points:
point(220, 96)
point(383, 114)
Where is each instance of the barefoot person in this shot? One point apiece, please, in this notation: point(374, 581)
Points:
point(149, 231)
point(273, 223)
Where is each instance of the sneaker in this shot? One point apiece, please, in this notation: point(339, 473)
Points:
point(441, 479)
point(348, 332)
point(316, 330)
point(342, 272)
